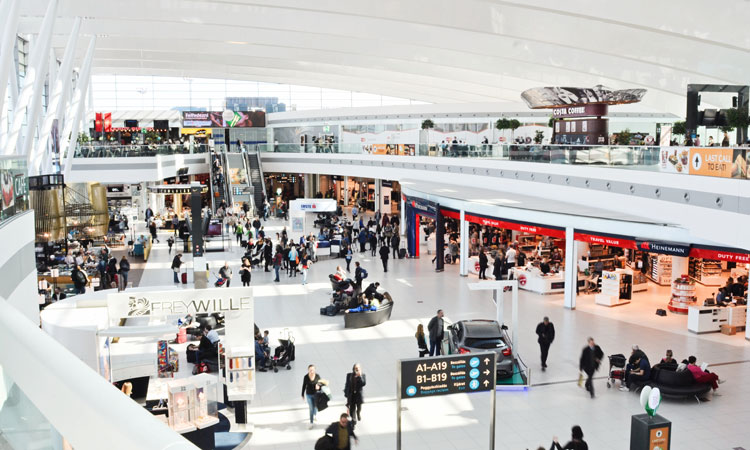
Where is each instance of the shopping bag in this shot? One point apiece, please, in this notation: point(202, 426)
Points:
point(580, 379)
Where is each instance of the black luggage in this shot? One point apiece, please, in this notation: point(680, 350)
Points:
point(325, 443)
point(401, 253)
point(192, 353)
point(330, 310)
point(321, 401)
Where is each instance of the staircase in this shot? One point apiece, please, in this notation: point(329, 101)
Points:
point(223, 192)
point(256, 179)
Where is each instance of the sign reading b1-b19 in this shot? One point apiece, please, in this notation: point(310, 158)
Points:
point(444, 375)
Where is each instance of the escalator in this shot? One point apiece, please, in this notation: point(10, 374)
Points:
point(256, 179)
point(220, 191)
point(238, 182)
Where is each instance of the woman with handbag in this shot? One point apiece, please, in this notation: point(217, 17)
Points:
point(245, 272)
point(355, 381)
point(311, 384)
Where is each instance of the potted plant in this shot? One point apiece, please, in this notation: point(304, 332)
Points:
point(427, 125)
point(678, 128)
point(738, 118)
point(623, 137)
point(539, 137)
point(513, 124)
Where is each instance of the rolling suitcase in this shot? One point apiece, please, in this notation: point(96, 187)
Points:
point(401, 253)
point(183, 276)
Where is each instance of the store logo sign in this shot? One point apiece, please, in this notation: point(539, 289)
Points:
point(161, 303)
point(138, 307)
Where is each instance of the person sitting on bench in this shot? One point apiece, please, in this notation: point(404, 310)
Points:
point(363, 307)
point(208, 347)
point(372, 291)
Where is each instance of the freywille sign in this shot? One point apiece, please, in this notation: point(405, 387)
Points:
point(178, 302)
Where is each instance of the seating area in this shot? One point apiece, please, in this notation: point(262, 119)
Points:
point(680, 384)
point(369, 318)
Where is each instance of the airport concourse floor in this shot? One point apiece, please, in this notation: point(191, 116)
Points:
point(525, 419)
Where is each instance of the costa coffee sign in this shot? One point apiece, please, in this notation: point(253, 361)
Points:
point(589, 110)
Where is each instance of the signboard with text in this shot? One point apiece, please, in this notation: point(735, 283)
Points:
point(590, 110)
point(717, 162)
point(445, 375)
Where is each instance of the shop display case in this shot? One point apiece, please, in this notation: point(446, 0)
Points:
point(706, 272)
point(205, 407)
point(181, 399)
point(239, 366)
point(661, 269)
point(683, 295)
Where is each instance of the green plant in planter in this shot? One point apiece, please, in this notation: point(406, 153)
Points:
point(152, 137)
point(83, 138)
point(738, 118)
point(539, 137)
point(624, 136)
point(551, 122)
point(678, 128)
point(427, 124)
point(513, 124)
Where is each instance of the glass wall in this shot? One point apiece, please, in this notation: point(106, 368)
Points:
point(120, 93)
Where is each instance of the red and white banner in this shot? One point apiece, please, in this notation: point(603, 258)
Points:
point(614, 241)
point(720, 255)
point(526, 228)
point(450, 213)
point(107, 122)
point(98, 122)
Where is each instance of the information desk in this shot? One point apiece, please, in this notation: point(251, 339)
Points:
point(617, 287)
point(709, 319)
point(531, 279)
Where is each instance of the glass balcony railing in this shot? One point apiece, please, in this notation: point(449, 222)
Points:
point(136, 150)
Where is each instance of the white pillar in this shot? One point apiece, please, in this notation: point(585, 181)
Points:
point(58, 95)
point(8, 12)
point(571, 269)
point(31, 94)
point(308, 188)
point(77, 104)
point(679, 266)
point(378, 201)
point(346, 191)
point(6, 113)
point(465, 240)
point(747, 320)
point(402, 213)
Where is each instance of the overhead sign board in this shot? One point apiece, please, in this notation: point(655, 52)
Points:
point(319, 205)
point(445, 375)
point(718, 162)
point(665, 248)
point(218, 119)
point(590, 110)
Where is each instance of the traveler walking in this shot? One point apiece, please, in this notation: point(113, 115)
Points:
point(546, 332)
point(483, 263)
point(80, 279)
point(124, 270)
point(576, 441)
point(304, 262)
point(226, 273)
point(384, 252)
point(175, 224)
point(170, 243)
point(373, 237)
point(277, 260)
point(267, 254)
point(348, 256)
point(435, 328)
point(176, 263)
point(362, 238)
point(421, 343)
point(152, 230)
point(293, 261)
point(355, 381)
point(245, 272)
point(395, 242)
point(497, 267)
point(342, 432)
point(591, 357)
point(311, 384)
point(359, 274)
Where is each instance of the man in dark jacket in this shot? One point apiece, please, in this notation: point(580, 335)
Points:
point(373, 237)
point(546, 332)
point(342, 432)
point(268, 254)
point(483, 263)
point(435, 328)
point(384, 253)
point(176, 263)
point(591, 357)
point(395, 243)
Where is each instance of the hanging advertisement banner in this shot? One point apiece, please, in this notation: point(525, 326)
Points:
point(610, 240)
point(450, 213)
point(98, 122)
point(518, 226)
point(718, 162)
point(216, 119)
point(674, 160)
point(107, 122)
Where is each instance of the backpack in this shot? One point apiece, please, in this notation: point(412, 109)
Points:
point(363, 273)
point(80, 277)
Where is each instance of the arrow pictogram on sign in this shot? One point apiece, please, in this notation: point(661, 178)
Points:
point(486, 360)
point(486, 372)
point(486, 383)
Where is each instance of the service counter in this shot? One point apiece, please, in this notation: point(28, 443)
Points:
point(709, 319)
point(531, 279)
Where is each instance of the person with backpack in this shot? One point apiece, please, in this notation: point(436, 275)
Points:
point(359, 274)
point(176, 263)
point(124, 270)
point(384, 253)
point(80, 280)
point(355, 382)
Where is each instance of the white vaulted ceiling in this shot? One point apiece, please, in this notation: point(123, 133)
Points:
point(431, 50)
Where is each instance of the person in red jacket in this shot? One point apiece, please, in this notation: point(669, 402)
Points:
point(701, 376)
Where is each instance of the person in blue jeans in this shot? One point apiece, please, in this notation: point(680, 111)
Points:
point(176, 264)
point(310, 386)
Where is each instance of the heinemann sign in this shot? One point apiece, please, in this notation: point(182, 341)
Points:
point(178, 302)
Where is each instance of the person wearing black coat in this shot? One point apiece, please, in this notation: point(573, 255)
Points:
point(268, 254)
point(395, 243)
point(355, 381)
point(497, 268)
point(483, 264)
point(546, 332)
point(591, 357)
point(576, 441)
point(384, 253)
point(342, 426)
point(245, 272)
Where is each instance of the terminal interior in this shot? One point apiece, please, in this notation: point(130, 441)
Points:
point(339, 225)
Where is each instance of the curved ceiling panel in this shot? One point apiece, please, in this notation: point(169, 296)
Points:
point(430, 50)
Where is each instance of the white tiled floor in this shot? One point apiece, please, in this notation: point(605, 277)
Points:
point(525, 419)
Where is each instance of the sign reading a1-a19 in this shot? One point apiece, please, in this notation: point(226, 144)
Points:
point(444, 375)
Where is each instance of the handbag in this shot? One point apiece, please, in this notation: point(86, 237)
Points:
point(325, 443)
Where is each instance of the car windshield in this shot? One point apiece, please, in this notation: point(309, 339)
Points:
point(484, 343)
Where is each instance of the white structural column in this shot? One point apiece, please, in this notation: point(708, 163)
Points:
point(58, 96)
point(465, 241)
point(9, 22)
point(33, 86)
point(571, 269)
point(747, 319)
point(402, 213)
point(378, 204)
point(346, 191)
point(5, 112)
point(70, 132)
